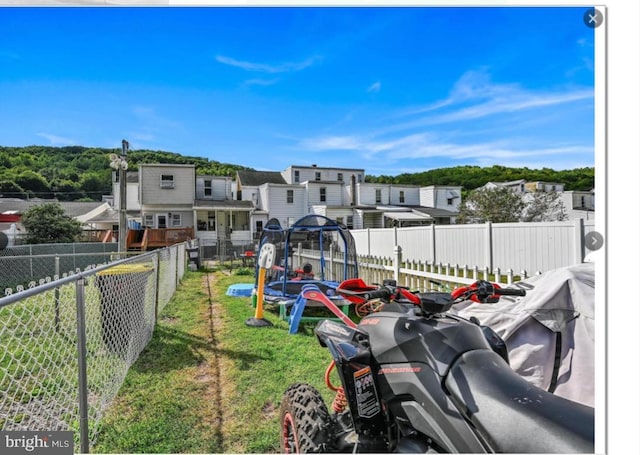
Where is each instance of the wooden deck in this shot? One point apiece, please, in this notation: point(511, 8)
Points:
point(151, 239)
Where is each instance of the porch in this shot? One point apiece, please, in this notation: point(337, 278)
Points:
point(150, 239)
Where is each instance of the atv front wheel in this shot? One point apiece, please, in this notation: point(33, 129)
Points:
point(304, 421)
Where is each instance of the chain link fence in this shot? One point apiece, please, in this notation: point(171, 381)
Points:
point(66, 345)
point(21, 265)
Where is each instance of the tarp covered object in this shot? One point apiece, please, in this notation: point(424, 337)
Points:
point(555, 320)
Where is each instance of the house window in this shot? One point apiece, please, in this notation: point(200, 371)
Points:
point(176, 220)
point(402, 197)
point(449, 201)
point(148, 220)
point(211, 220)
point(166, 181)
point(359, 178)
point(339, 220)
point(378, 195)
point(289, 196)
point(323, 195)
point(318, 176)
point(296, 176)
point(340, 177)
point(207, 187)
point(350, 221)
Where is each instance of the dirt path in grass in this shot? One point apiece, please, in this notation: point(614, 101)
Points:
point(221, 389)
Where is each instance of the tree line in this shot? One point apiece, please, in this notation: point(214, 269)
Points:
point(472, 177)
point(76, 173)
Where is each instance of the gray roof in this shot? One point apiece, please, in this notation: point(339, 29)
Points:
point(71, 209)
point(436, 213)
point(257, 178)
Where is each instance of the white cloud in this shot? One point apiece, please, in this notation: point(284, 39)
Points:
point(474, 96)
point(57, 140)
point(479, 122)
point(262, 82)
point(375, 87)
point(286, 67)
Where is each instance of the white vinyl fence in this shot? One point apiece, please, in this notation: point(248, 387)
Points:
point(531, 247)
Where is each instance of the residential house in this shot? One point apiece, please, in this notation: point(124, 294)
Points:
point(579, 204)
point(12, 209)
point(545, 187)
point(233, 212)
point(298, 174)
point(166, 195)
point(220, 218)
point(516, 185)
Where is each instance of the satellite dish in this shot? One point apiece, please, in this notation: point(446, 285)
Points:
point(4, 240)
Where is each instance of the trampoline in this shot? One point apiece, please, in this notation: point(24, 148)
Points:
point(314, 250)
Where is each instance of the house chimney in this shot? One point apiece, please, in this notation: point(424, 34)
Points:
point(353, 189)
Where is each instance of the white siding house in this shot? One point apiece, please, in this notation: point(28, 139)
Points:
point(167, 192)
point(579, 204)
point(285, 202)
point(441, 197)
point(300, 174)
point(373, 193)
point(324, 193)
point(404, 195)
point(214, 188)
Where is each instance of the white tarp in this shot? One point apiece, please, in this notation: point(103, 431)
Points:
point(560, 302)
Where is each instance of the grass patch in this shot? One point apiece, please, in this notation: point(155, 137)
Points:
point(207, 382)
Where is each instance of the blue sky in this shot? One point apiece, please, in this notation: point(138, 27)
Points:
point(390, 90)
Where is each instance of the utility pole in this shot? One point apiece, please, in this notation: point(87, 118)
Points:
point(122, 169)
point(119, 164)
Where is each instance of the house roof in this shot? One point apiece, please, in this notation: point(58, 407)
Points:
point(435, 213)
point(226, 204)
point(72, 209)
point(408, 216)
point(295, 166)
point(257, 178)
point(108, 215)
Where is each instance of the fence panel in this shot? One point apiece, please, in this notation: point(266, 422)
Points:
point(463, 244)
point(538, 247)
point(518, 246)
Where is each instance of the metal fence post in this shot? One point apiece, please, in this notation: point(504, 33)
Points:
point(82, 368)
point(56, 295)
point(177, 280)
point(157, 299)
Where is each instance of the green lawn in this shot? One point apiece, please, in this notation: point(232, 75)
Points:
point(207, 382)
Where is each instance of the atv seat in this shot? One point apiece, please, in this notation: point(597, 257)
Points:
point(513, 415)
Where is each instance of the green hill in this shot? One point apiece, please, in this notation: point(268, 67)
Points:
point(80, 173)
point(472, 177)
point(83, 173)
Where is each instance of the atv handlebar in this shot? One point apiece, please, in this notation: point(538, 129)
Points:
point(484, 292)
point(382, 293)
point(480, 291)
